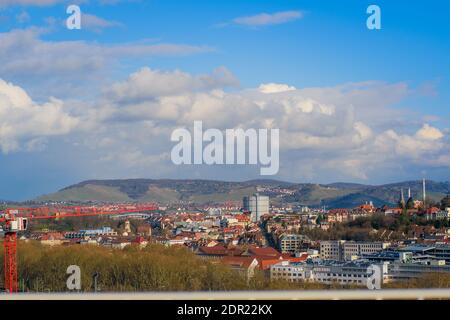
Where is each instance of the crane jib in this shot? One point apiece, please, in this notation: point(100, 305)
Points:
point(16, 219)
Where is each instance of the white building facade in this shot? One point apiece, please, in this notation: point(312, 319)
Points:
point(341, 250)
point(327, 272)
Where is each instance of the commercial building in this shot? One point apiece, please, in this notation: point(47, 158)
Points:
point(325, 271)
point(358, 249)
point(403, 271)
point(437, 252)
point(290, 243)
point(442, 252)
point(105, 231)
point(257, 204)
point(332, 250)
point(348, 250)
point(354, 272)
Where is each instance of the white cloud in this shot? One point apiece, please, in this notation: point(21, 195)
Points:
point(95, 23)
point(23, 17)
point(346, 128)
point(275, 88)
point(147, 84)
point(426, 141)
point(63, 67)
point(429, 133)
point(264, 19)
point(24, 121)
point(40, 3)
point(349, 130)
point(23, 52)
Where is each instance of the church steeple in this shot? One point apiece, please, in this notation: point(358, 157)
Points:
point(401, 201)
point(410, 202)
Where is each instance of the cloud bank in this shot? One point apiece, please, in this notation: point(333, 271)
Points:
point(264, 19)
point(351, 130)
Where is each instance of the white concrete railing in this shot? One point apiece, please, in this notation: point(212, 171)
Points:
point(386, 294)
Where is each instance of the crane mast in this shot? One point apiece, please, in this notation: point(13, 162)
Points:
point(17, 219)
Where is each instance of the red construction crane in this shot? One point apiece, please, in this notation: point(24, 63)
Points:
point(17, 219)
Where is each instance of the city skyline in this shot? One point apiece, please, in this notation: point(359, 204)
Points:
point(352, 104)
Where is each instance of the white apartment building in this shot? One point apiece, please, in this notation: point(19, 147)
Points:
point(327, 272)
point(347, 250)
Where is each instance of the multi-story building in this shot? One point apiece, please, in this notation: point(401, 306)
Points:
point(290, 243)
point(347, 250)
point(337, 215)
point(435, 213)
point(325, 271)
point(354, 272)
point(403, 271)
point(258, 205)
point(442, 252)
point(438, 252)
point(332, 250)
point(358, 249)
point(105, 231)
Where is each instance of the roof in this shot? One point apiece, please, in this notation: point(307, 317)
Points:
point(52, 236)
point(432, 210)
point(417, 248)
point(265, 264)
point(242, 217)
point(220, 250)
point(267, 251)
point(238, 262)
point(303, 257)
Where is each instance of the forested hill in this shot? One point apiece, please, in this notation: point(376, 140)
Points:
point(336, 195)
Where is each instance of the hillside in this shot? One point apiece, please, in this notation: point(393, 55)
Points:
point(335, 195)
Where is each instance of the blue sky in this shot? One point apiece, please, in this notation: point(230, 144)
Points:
point(394, 81)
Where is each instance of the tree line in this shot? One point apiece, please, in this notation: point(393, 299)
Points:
point(153, 268)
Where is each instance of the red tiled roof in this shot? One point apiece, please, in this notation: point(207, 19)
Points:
point(239, 262)
point(265, 264)
point(432, 210)
point(268, 251)
point(303, 257)
point(242, 218)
